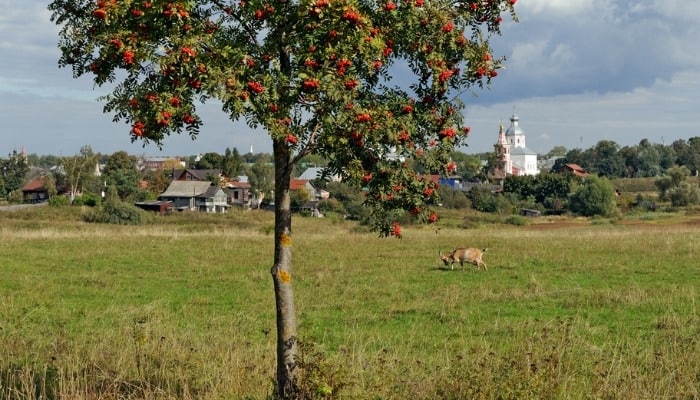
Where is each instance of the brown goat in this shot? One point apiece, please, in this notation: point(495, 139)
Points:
point(471, 255)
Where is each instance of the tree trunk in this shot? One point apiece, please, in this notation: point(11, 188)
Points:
point(282, 276)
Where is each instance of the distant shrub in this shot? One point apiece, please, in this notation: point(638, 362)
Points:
point(58, 201)
point(595, 196)
point(482, 199)
point(15, 197)
point(625, 202)
point(117, 212)
point(516, 220)
point(331, 205)
point(644, 203)
point(144, 195)
point(451, 198)
point(334, 216)
point(634, 185)
point(554, 203)
point(693, 210)
point(676, 187)
point(87, 199)
point(356, 211)
point(684, 194)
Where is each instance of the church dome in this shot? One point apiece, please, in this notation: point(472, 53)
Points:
point(514, 128)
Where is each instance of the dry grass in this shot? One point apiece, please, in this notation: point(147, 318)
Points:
point(183, 309)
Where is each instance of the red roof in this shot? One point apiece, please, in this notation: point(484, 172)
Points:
point(238, 185)
point(576, 169)
point(37, 185)
point(297, 184)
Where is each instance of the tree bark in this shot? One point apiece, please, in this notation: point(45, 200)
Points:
point(282, 276)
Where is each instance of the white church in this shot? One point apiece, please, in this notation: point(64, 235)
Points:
point(517, 159)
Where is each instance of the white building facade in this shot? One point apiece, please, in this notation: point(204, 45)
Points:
point(519, 160)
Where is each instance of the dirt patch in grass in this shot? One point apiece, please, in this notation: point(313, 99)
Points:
point(551, 223)
point(695, 221)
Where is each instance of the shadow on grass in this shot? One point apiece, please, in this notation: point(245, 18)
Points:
point(447, 269)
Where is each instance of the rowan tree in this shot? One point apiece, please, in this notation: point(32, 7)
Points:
point(316, 75)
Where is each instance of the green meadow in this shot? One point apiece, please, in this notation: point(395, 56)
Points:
point(183, 308)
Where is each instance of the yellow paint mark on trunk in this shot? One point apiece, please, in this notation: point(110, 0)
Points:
point(284, 276)
point(286, 240)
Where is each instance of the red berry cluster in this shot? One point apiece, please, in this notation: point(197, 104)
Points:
point(310, 85)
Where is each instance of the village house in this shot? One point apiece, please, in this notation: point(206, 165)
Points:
point(305, 183)
point(313, 173)
point(307, 186)
point(238, 192)
point(35, 191)
point(196, 196)
point(158, 163)
point(198, 175)
point(574, 169)
point(157, 206)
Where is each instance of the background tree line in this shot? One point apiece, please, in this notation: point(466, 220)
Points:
point(646, 159)
point(90, 174)
point(670, 164)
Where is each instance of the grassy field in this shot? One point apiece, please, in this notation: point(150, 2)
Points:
point(184, 309)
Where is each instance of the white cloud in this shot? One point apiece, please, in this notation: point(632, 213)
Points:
point(541, 57)
point(560, 7)
point(578, 71)
point(664, 112)
point(678, 10)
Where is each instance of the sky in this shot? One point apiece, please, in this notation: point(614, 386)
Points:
point(577, 72)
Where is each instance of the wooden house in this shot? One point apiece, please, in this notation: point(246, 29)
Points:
point(157, 206)
point(196, 196)
point(239, 193)
point(575, 169)
point(307, 186)
point(35, 191)
point(197, 174)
